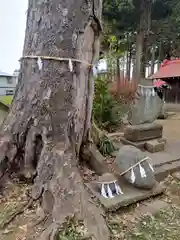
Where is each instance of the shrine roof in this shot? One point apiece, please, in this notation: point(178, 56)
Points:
point(168, 69)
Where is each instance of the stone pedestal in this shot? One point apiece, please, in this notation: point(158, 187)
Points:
point(156, 145)
point(146, 136)
point(143, 132)
point(131, 195)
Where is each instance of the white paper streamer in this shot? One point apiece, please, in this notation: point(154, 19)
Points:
point(118, 189)
point(109, 191)
point(39, 62)
point(142, 171)
point(133, 177)
point(103, 192)
point(151, 167)
point(70, 65)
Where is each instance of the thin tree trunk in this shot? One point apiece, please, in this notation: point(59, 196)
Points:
point(51, 111)
point(143, 59)
point(127, 65)
point(153, 52)
point(139, 54)
point(142, 38)
point(118, 68)
point(147, 27)
point(159, 55)
point(129, 62)
point(134, 68)
point(139, 43)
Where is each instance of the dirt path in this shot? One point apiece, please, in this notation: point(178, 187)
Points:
point(12, 201)
point(171, 127)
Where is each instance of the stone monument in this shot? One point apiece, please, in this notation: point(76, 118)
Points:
point(142, 131)
point(135, 167)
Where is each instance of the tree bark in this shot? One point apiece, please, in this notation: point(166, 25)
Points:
point(153, 58)
point(143, 59)
point(139, 54)
point(148, 11)
point(129, 60)
point(118, 74)
point(159, 55)
point(50, 115)
point(142, 38)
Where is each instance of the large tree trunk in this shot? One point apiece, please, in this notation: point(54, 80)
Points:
point(51, 111)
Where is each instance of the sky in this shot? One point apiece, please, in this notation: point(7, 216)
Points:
point(12, 31)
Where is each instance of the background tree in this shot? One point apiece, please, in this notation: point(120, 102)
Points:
point(152, 27)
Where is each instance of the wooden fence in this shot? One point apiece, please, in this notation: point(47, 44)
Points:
point(172, 95)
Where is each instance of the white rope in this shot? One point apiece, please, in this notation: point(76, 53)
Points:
point(142, 160)
point(109, 193)
point(56, 59)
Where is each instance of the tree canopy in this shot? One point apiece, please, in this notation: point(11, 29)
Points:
point(160, 24)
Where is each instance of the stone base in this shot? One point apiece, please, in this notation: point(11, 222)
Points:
point(143, 132)
point(139, 145)
point(152, 146)
point(163, 116)
point(155, 145)
point(131, 195)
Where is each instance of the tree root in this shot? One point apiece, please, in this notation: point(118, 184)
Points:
point(94, 158)
point(102, 141)
point(63, 193)
point(58, 182)
point(116, 134)
point(8, 151)
point(21, 210)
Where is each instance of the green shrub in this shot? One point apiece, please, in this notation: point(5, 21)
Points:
point(107, 111)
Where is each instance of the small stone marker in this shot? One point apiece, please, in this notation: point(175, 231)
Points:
point(142, 175)
point(147, 106)
point(154, 146)
point(143, 113)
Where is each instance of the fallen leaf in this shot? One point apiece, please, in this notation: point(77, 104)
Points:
point(23, 227)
